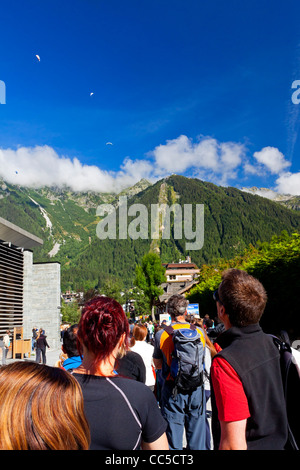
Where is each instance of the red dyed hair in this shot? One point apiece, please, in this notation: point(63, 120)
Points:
point(101, 326)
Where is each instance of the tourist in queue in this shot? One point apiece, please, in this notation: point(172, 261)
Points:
point(248, 402)
point(139, 345)
point(70, 349)
point(122, 413)
point(41, 408)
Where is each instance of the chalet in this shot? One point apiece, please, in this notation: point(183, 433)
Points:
point(181, 277)
point(69, 297)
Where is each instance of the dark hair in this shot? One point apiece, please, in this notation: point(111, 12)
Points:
point(177, 305)
point(209, 322)
point(101, 326)
point(70, 341)
point(243, 297)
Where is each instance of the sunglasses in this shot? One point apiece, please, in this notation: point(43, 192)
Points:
point(216, 296)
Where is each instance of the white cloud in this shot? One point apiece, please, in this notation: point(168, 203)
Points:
point(175, 156)
point(42, 166)
point(264, 192)
point(272, 159)
point(207, 157)
point(133, 171)
point(253, 169)
point(289, 183)
point(231, 154)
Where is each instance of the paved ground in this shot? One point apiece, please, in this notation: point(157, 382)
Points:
point(52, 356)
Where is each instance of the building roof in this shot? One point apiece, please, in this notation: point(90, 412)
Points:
point(180, 265)
point(175, 288)
point(15, 235)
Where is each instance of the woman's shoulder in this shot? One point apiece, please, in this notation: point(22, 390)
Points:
point(130, 386)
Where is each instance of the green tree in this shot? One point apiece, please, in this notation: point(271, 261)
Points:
point(277, 266)
point(150, 274)
point(141, 303)
point(70, 312)
point(113, 287)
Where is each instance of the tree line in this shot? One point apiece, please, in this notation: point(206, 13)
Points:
point(277, 266)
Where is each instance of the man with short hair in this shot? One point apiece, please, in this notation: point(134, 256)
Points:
point(69, 347)
point(185, 410)
point(247, 394)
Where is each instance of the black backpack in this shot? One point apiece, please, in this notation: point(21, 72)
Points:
point(291, 387)
point(187, 358)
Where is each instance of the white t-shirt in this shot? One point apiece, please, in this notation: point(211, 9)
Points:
point(145, 350)
point(296, 358)
point(6, 341)
point(207, 364)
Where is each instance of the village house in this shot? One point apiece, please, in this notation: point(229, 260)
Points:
point(181, 277)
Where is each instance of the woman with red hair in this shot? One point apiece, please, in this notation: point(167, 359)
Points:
point(122, 413)
point(145, 350)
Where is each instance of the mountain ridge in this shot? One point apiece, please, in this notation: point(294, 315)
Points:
point(67, 223)
point(288, 200)
point(233, 220)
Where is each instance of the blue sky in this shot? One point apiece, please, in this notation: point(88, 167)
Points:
point(191, 87)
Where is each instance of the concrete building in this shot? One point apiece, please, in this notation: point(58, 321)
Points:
point(29, 292)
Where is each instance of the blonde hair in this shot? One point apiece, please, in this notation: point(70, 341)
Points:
point(39, 333)
point(41, 408)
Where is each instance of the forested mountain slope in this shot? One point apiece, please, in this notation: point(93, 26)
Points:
point(67, 223)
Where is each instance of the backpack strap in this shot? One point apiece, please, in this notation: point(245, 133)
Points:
point(169, 329)
point(287, 370)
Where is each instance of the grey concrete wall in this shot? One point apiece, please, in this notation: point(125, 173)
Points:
point(28, 317)
point(41, 299)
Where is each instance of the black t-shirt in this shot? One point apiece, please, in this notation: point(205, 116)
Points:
point(120, 411)
point(132, 366)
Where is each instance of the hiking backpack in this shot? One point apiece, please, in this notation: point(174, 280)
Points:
point(291, 385)
point(187, 362)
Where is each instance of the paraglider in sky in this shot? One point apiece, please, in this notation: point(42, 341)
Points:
point(91, 94)
point(38, 57)
point(108, 143)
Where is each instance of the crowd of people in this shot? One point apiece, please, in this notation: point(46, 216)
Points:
point(113, 387)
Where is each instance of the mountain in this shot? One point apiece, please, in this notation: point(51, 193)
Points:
point(63, 219)
point(67, 222)
point(292, 202)
point(232, 220)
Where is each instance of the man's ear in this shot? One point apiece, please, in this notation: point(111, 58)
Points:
point(222, 312)
point(224, 316)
